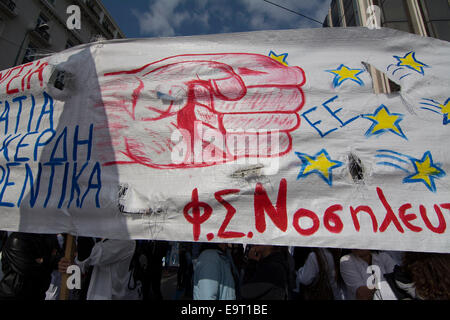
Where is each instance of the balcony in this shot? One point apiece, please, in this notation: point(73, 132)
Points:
point(9, 7)
point(107, 28)
point(41, 35)
point(92, 6)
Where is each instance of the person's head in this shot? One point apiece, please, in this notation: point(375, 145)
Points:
point(217, 246)
point(264, 250)
point(429, 271)
point(224, 246)
point(336, 252)
point(362, 253)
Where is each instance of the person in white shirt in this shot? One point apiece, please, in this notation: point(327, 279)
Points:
point(111, 275)
point(358, 277)
point(313, 269)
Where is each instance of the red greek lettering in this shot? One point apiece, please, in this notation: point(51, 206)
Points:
point(331, 220)
point(309, 214)
point(442, 224)
point(406, 218)
point(197, 218)
point(230, 213)
point(13, 91)
point(365, 209)
point(390, 215)
point(39, 72)
point(263, 204)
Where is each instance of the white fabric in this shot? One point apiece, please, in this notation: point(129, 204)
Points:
point(310, 271)
point(409, 288)
point(354, 271)
point(111, 261)
point(55, 286)
point(113, 127)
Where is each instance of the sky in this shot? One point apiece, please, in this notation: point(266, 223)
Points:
point(168, 18)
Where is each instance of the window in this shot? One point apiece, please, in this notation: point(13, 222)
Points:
point(69, 44)
point(437, 9)
point(394, 10)
point(394, 15)
point(349, 12)
point(30, 53)
point(335, 14)
point(2, 25)
point(43, 32)
point(42, 19)
point(358, 18)
point(325, 22)
point(436, 14)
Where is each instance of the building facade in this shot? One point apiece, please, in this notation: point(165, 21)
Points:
point(423, 17)
point(32, 29)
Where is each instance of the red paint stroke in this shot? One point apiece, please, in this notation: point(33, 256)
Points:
point(223, 92)
point(32, 68)
point(442, 224)
point(390, 215)
point(331, 219)
point(367, 210)
point(230, 213)
point(262, 204)
point(302, 213)
point(197, 218)
point(407, 217)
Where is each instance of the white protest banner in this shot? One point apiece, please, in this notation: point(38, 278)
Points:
point(272, 137)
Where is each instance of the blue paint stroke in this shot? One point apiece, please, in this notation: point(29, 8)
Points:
point(393, 165)
point(404, 76)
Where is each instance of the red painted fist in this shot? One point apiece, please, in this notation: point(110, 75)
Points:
point(171, 108)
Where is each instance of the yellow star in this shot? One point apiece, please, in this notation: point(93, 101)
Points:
point(280, 58)
point(426, 171)
point(347, 73)
point(320, 164)
point(383, 121)
point(445, 109)
point(409, 60)
point(343, 73)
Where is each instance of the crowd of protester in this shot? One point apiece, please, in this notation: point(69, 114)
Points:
point(32, 266)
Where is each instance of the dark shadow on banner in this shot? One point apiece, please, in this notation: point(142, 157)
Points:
point(67, 189)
